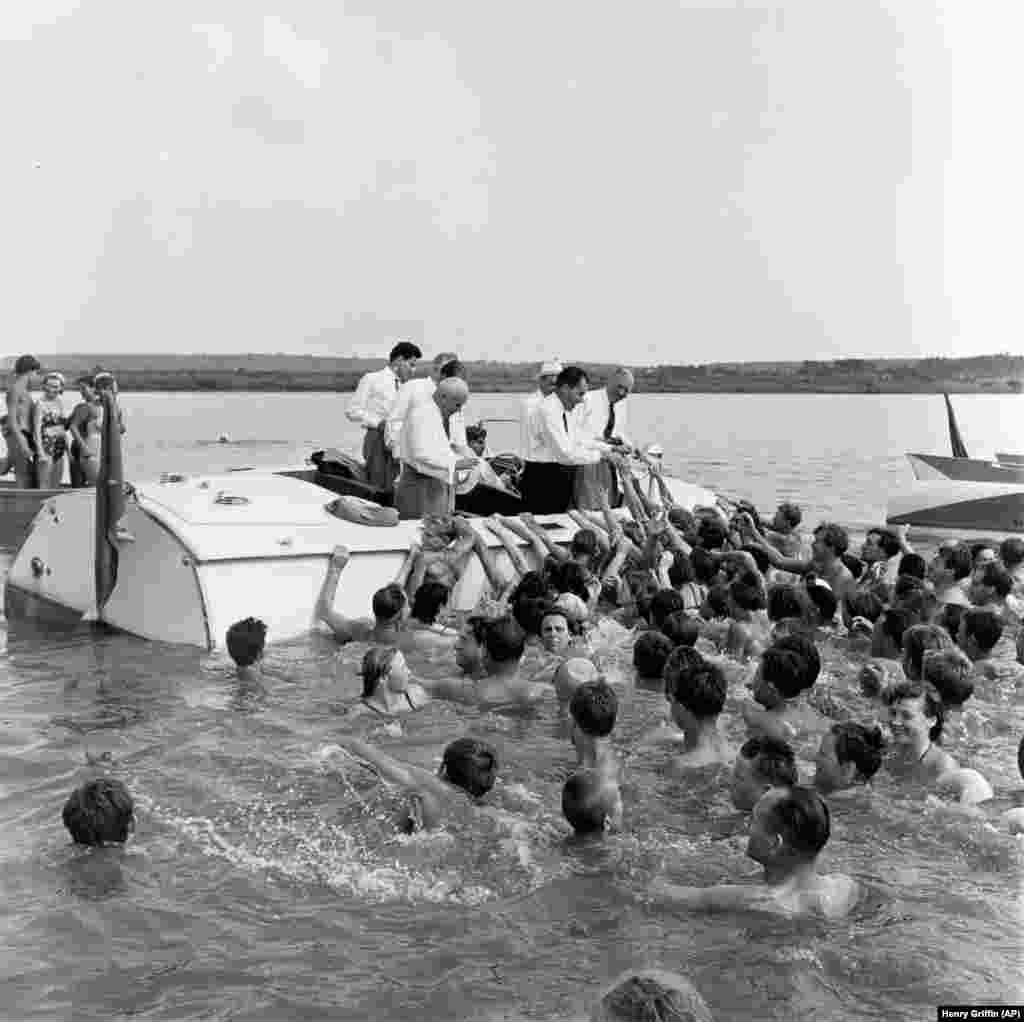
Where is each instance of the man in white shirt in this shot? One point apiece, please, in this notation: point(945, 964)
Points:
point(370, 405)
point(558, 446)
point(546, 376)
point(428, 461)
point(410, 393)
point(603, 417)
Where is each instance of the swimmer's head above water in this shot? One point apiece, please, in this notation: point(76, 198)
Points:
point(471, 765)
point(762, 763)
point(849, 754)
point(591, 802)
point(245, 641)
point(100, 812)
point(650, 994)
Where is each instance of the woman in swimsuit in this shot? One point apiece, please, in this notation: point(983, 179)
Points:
point(388, 688)
point(49, 433)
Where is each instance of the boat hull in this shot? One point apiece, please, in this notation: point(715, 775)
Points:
point(952, 505)
point(937, 466)
point(18, 507)
point(197, 554)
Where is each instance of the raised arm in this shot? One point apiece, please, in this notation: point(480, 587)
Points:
point(519, 528)
point(598, 530)
point(512, 548)
point(345, 630)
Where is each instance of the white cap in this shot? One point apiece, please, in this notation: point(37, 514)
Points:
point(552, 368)
point(655, 451)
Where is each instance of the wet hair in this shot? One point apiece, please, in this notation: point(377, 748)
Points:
point(680, 571)
point(917, 689)
point(474, 433)
point(695, 683)
point(716, 604)
point(801, 816)
point(888, 541)
point(645, 997)
point(584, 543)
point(404, 349)
point(531, 584)
point(948, 671)
point(529, 611)
point(919, 638)
point(245, 641)
point(471, 765)
point(1011, 552)
point(705, 568)
point(594, 706)
point(26, 364)
point(785, 670)
point(712, 534)
point(650, 652)
point(570, 577)
point(428, 600)
point(949, 617)
point(773, 760)
point(99, 812)
point(808, 651)
point(571, 376)
point(388, 602)
point(554, 610)
point(783, 602)
point(746, 594)
point(376, 664)
point(862, 746)
point(791, 513)
point(582, 804)
point(643, 592)
point(854, 565)
point(958, 560)
point(824, 600)
point(996, 577)
point(681, 629)
point(504, 640)
point(984, 626)
point(905, 585)
point(896, 621)
point(681, 519)
point(913, 565)
point(834, 536)
point(665, 602)
point(865, 605)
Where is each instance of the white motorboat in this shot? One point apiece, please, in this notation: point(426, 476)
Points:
point(977, 470)
point(196, 554)
point(956, 504)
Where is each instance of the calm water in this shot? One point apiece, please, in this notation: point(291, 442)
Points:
point(261, 886)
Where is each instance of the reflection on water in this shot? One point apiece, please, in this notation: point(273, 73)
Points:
point(264, 883)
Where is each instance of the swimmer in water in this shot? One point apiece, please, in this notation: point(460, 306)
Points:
point(593, 709)
point(100, 812)
point(390, 608)
point(850, 754)
point(245, 641)
point(762, 763)
point(423, 631)
point(787, 668)
point(468, 767)
point(650, 994)
point(789, 829)
point(388, 688)
point(569, 676)
point(650, 652)
point(916, 719)
point(591, 803)
point(696, 690)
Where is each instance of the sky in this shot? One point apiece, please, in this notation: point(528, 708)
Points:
point(674, 182)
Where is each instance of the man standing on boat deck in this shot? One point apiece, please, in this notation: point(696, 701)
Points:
point(546, 376)
point(602, 416)
point(428, 461)
point(370, 405)
point(444, 365)
point(19, 421)
point(558, 447)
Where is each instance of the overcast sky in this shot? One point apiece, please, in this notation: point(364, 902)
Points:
point(652, 182)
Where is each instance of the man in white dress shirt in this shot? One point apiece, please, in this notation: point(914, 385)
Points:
point(546, 376)
point(558, 447)
point(370, 405)
point(603, 417)
point(428, 461)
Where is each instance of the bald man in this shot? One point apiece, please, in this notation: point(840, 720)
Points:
point(428, 461)
point(603, 417)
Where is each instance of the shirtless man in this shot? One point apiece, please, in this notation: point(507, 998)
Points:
point(19, 420)
point(789, 829)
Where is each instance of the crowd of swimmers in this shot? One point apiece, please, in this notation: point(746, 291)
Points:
point(44, 439)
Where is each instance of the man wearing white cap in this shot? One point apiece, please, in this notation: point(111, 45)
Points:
point(546, 376)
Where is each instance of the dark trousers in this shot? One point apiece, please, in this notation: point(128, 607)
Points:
point(547, 487)
point(381, 466)
point(418, 495)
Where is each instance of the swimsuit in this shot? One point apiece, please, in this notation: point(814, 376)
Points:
point(54, 443)
point(386, 713)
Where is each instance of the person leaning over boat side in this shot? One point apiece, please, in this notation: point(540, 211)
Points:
point(49, 433)
point(19, 420)
point(428, 461)
point(444, 366)
point(603, 417)
point(370, 405)
point(558, 447)
point(546, 376)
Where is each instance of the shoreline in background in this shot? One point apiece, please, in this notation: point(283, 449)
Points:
point(985, 374)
